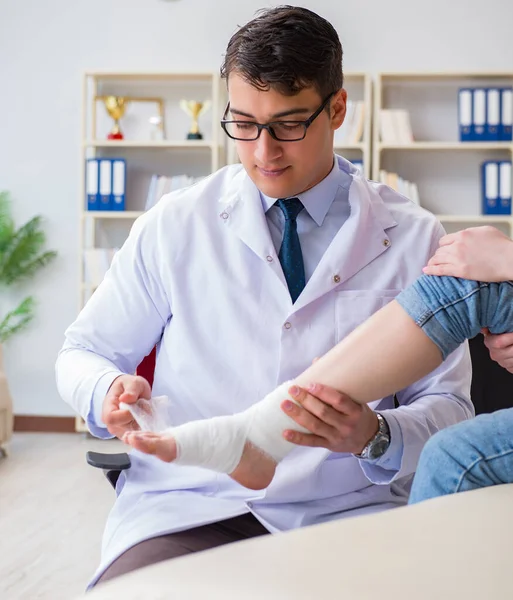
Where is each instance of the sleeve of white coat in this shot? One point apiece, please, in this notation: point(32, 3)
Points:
point(118, 326)
point(439, 400)
point(433, 403)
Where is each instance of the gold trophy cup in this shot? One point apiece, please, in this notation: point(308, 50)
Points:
point(194, 109)
point(116, 106)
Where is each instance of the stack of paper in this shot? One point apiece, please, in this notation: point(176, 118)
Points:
point(395, 127)
point(161, 185)
point(404, 187)
point(351, 130)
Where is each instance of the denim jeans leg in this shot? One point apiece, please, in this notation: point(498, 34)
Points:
point(450, 310)
point(470, 455)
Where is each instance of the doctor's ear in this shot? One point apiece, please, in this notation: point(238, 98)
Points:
point(338, 108)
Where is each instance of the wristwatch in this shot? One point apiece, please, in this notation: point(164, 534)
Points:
point(378, 445)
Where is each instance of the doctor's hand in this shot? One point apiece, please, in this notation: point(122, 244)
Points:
point(478, 253)
point(336, 422)
point(500, 347)
point(128, 389)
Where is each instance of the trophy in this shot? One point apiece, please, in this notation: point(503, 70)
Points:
point(194, 109)
point(115, 106)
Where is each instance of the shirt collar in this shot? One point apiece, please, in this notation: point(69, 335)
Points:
point(317, 200)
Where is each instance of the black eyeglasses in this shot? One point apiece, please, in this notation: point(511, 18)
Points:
point(282, 131)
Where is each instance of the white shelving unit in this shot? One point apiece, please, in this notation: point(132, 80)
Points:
point(359, 88)
point(175, 155)
point(446, 170)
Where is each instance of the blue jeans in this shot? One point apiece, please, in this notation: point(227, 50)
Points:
point(476, 453)
point(470, 455)
point(451, 310)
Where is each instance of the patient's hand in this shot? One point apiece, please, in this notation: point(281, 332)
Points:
point(161, 445)
point(479, 253)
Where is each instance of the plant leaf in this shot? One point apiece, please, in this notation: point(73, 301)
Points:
point(17, 319)
point(26, 270)
point(22, 257)
point(6, 221)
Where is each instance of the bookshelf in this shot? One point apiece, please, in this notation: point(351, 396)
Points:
point(154, 94)
point(446, 171)
point(359, 89)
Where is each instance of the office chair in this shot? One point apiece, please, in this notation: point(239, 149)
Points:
point(113, 464)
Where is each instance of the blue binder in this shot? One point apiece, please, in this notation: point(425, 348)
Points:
point(505, 187)
point(490, 188)
point(465, 114)
point(92, 184)
point(478, 129)
point(118, 184)
point(493, 114)
point(505, 128)
point(105, 185)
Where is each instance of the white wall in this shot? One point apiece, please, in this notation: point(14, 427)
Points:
point(46, 44)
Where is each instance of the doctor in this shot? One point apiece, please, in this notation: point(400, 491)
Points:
point(240, 281)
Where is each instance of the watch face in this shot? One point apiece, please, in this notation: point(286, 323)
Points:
point(379, 448)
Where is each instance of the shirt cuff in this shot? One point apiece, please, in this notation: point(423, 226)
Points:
point(94, 419)
point(384, 469)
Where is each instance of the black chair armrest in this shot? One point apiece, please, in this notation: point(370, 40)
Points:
point(102, 460)
point(112, 464)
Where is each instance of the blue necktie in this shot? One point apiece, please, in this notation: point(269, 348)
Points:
point(290, 255)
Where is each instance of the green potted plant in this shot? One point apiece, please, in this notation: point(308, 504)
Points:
point(22, 254)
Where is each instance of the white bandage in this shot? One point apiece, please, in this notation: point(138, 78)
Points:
point(218, 443)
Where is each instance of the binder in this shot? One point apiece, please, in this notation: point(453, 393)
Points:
point(505, 187)
point(505, 129)
point(465, 114)
point(479, 115)
point(490, 188)
point(92, 184)
point(493, 116)
point(118, 184)
point(105, 184)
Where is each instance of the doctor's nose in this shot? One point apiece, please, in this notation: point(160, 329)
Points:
point(267, 149)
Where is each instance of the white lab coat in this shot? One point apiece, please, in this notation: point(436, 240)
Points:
point(199, 272)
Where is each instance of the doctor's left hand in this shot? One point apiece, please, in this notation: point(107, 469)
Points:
point(336, 422)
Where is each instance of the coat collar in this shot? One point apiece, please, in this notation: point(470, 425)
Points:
point(360, 240)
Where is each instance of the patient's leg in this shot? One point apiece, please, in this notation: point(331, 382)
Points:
point(426, 322)
point(225, 444)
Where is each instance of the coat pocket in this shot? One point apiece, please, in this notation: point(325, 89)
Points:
point(353, 307)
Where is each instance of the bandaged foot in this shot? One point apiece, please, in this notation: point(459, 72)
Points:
point(247, 446)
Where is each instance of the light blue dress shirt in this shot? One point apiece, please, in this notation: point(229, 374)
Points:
point(326, 210)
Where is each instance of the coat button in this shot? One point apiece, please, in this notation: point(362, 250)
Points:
point(287, 325)
point(386, 243)
point(270, 259)
point(224, 215)
point(336, 278)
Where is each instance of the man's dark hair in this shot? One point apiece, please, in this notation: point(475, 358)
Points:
point(286, 48)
